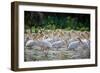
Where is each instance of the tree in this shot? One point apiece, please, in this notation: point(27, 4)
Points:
point(33, 19)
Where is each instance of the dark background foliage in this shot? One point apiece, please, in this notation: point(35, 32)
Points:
point(51, 20)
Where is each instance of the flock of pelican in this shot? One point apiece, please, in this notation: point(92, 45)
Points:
point(48, 40)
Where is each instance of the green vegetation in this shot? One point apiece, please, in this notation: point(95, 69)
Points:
point(35, 21)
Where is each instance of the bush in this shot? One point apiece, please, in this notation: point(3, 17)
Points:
point(83, 29)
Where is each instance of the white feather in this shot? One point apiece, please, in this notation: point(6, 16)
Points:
point(76, 44)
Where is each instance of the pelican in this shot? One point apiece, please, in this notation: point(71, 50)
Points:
point(58, 44)
point(43, 44)
point(75, 44)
